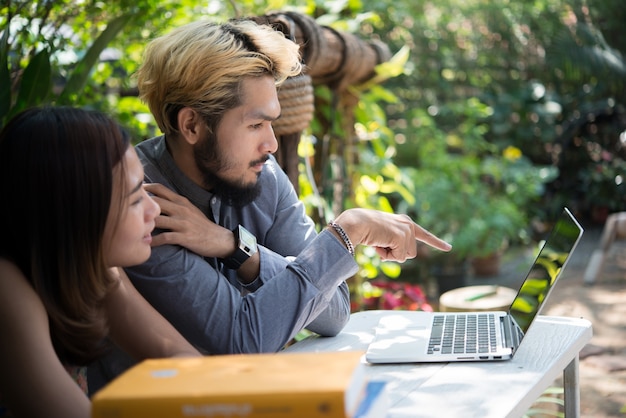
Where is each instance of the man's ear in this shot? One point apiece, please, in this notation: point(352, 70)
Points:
point(190, 125)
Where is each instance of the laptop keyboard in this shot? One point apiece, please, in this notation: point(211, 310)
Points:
point(463, 333)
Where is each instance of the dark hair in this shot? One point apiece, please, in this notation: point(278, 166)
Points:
point(56, 182)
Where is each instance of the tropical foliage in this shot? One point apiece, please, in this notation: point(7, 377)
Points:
point(491, 113)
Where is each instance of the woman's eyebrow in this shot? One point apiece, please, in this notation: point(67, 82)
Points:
point(136, 188)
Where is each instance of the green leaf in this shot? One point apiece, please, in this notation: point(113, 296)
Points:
point(384, 204)
point(369, 184)
point(369, 271)
point(36, 82)
point(550, 399)
point(80, 75)
point(391, 269)
point(544, 413)
point(381, 93)
point(5, 78)
point(395, 66)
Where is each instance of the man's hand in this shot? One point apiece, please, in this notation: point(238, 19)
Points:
point(184, 224)
point(393, 236)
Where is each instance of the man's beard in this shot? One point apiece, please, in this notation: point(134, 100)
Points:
point(210, 162)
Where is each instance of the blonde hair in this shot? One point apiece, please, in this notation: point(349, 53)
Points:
point(201, 65)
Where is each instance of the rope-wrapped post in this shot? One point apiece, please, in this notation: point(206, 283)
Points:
point(332, 58)
point(337, 60)
point(296, 100)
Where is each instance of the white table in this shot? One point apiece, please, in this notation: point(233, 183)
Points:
point(494, 389)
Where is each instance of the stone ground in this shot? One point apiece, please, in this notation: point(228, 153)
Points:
point(603, 361)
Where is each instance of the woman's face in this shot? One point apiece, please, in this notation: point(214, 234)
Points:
point(131, 216)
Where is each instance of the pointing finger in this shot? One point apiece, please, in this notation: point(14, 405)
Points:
point(427, 237)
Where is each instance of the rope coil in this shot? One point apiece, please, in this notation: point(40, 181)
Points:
point(297, 103)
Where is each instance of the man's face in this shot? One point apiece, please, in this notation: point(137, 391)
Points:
point(231, 161)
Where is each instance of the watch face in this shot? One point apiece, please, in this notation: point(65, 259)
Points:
point(247, 240)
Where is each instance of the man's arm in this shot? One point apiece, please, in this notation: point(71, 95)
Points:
point(138, 328)
point(291, 231)
point(334, 318)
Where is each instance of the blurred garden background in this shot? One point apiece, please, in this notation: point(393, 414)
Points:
point(488, 117)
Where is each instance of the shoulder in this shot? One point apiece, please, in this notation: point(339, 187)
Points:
point(13, 283)
point(150, 148)
point(19, 303)
point(151, 153)
point(274, 175)
point(273, 168)
point(14, 287)
point(29, 366)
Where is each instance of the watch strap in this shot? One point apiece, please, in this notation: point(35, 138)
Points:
point(243, 250)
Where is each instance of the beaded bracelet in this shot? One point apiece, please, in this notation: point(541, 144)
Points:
point(343, 235)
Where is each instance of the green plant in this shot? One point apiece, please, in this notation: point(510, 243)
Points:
point(471, 192)
point(539, 65)
point(490, 229)
point(82, 53)
point(367, 177)
point(604, 182)
point(29, 57)
point(549, 404)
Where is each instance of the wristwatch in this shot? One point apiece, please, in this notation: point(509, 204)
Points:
point(246, 248)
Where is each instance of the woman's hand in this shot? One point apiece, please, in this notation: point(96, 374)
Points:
point(184, 224)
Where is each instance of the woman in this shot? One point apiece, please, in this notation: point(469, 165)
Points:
point(73, 213)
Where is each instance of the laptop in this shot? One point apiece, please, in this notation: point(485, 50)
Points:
point(478, 336)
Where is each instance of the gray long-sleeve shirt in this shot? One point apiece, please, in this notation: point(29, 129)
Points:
point(207, 303)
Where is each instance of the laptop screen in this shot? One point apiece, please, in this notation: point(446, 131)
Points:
point(550, 261)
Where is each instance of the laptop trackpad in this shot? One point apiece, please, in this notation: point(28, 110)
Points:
point(399, 339)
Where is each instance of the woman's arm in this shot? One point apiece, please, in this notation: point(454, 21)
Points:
point(33, 382)
point(138, 328)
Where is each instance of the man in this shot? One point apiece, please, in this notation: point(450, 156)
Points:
point(212, 91)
